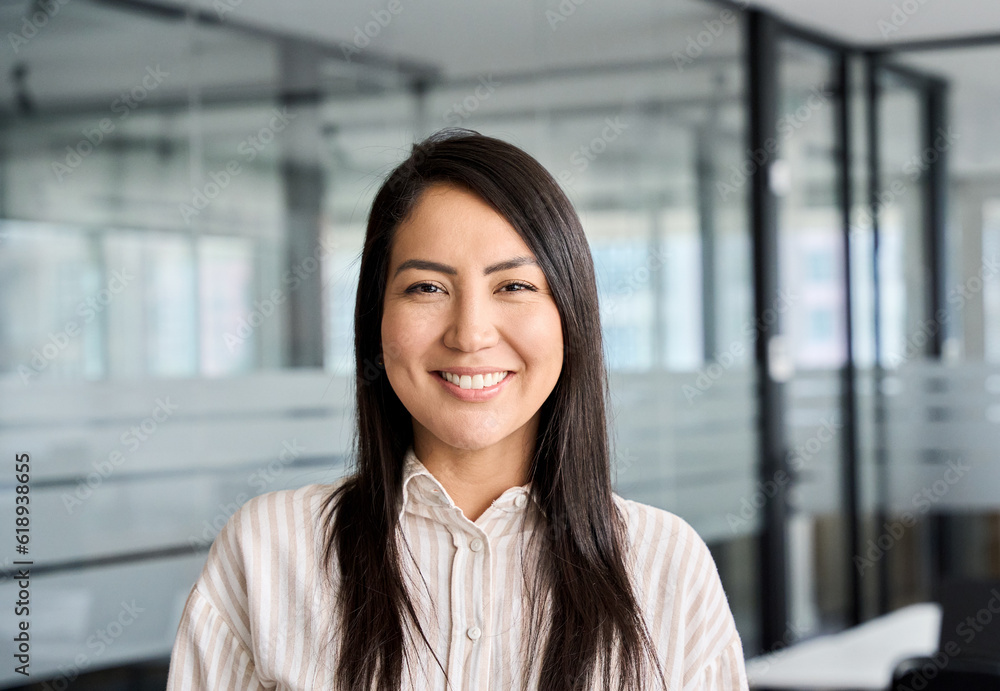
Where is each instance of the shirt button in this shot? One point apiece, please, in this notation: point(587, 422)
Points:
point(474, 633)
point(520, 500)
point(476, 545)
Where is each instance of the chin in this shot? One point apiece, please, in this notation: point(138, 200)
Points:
point(468, 439)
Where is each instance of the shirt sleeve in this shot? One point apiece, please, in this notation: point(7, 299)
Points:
point(713, 637)
point(213, 649)
point(207, 655)
point(726, 672)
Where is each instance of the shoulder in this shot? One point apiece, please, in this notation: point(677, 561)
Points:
point(655, 534)
point(268, 532)
point(272, 519)
point(677, 579)
point(260, 516)
point(262, 580)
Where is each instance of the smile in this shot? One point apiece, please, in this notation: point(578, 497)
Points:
point(476, 381)
point(474, 388)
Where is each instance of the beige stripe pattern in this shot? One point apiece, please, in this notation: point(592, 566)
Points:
point(260, 615)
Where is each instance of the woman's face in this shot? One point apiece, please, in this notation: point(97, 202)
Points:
point(464, 295)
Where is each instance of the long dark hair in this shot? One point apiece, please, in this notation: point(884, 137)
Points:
point(581, 566)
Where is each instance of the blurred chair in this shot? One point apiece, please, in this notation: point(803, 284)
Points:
point(955, 674)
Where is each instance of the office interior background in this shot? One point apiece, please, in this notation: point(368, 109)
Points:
point(793, 207)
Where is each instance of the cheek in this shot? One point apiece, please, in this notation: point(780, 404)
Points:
point(390, 332)
point(540, 338)
point(404, 335)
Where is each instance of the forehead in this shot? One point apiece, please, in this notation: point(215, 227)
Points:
point(449, 218)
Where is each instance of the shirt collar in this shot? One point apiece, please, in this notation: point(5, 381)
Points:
point(421, 488)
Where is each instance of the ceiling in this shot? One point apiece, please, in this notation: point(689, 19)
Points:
point(469, 38)
point(464, 38)
point(884, 22)
point(99, 48)
point(517, 34)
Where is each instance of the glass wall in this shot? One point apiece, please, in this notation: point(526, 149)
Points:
point(941, 407)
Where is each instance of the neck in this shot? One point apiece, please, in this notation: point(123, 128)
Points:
point(474, 478)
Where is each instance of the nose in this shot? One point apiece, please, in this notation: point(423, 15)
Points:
point(471, 324)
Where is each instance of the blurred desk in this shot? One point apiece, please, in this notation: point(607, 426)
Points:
point(862, 657)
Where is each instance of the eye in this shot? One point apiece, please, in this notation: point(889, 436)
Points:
point(518, 283)
point(415, 288)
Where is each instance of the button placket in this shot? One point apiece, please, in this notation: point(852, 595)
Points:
point(469, 573)
point(486, 614)
point(479, 609)
point(463, 569)
point(478, 572)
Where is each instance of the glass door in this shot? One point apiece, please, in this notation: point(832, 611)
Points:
point(812, 351)
point(906, 548)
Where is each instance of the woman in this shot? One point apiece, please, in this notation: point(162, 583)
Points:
point(478, 544)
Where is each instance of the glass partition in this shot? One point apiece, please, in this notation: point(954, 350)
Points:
point(805, 179)
point(942, 431)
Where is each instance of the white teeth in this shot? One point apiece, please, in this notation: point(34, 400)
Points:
point(476, 381)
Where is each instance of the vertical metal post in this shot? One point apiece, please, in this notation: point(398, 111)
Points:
point(704, 176)
point(848, 406)
point(762, 97)
point(872, 65)
point(934, 185)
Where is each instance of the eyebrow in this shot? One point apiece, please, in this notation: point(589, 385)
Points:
point(511, 263)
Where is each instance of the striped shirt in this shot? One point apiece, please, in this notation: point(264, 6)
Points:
point(260, 615)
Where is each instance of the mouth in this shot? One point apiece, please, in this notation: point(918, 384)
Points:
point(474, 388)
point(476, 381)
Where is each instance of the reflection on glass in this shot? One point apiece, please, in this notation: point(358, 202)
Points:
point(229, 316)
point(902, 265)
point(811, 260)
point(50, 306)
point(991, 290)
